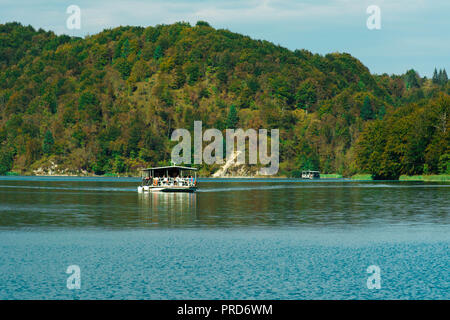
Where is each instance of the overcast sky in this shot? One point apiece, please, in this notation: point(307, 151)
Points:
point(414, 33)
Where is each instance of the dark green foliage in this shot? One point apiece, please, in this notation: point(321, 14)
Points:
point(87, 99)
point(123, 66)
point(232, 118)
point(296, 174)
point(367, 110)
point(444, 163)
point(222, 75)
point(158, 54)
point(50, 101)
point(89, 102)
point(440, 78)
point(443, 78)
point(411, 79)
point(192, 70)
point(306, 96)
point(412, 140)
point(381, 112)
point(48, 143)
point(119, 165)
point(6, 160)
point(125, 50)
point(282, 89)
point(202, 23)
point(435, 77)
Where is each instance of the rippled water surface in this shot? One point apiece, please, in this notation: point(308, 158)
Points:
point(233, 239)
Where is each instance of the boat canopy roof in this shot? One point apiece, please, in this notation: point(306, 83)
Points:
point(171, 168)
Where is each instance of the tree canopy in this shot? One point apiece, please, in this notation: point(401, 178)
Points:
point(108, 103)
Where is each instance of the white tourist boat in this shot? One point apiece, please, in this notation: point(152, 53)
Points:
point(169, 179)
point(309, 174)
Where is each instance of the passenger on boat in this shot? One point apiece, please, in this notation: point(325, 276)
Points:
point(145, 181)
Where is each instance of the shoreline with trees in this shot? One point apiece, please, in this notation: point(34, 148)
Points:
point(106, 104)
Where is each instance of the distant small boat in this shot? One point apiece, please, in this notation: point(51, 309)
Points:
point(309, 174)
point(168, 179)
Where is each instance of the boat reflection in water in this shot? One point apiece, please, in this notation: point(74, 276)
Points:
point(168, 208)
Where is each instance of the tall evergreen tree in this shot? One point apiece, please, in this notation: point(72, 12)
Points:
point(158, 53)
point(367, 111)
point(48, 142)
point(411, 79)
point(435, 78)
point(232, 119)
point(125, 49)
point(443, 78)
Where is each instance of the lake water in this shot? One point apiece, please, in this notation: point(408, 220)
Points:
point(233, 239)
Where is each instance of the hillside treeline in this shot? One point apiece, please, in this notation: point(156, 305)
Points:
point(108, 103)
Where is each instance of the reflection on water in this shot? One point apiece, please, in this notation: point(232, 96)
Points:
point(116, 204)
point(164, 208)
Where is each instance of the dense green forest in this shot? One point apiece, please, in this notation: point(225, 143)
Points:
point(107, 103)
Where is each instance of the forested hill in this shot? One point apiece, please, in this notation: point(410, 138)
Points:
point(109, 102)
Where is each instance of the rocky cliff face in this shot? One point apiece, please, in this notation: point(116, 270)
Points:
point(232, 169)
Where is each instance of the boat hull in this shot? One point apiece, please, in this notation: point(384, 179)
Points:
point(166, 189)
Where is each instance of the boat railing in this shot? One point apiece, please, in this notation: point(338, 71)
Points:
point(165, 182)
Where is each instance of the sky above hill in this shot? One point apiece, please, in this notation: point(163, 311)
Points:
point(414, 33)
